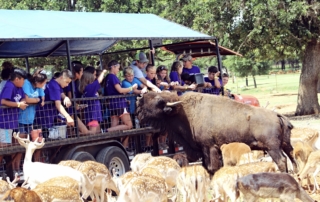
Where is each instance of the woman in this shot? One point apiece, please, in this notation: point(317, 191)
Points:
point(89, 87)
point(118, 107)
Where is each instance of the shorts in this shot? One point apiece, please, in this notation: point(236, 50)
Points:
point(6, 135)
point(93, 123)
point(25, 128)
point(118, 112)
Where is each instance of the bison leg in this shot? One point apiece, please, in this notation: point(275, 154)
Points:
point(279, 158)
point(289, 152)
point(211, 159)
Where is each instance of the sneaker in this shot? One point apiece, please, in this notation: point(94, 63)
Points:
point(129, 152)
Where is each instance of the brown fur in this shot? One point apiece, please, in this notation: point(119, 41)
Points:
point(231, 153)
point(201, 123)
point(181, 159)
point(312, 167)
point(271, 185)
point(306, 135)
point(193, 182)
point(301, 152)
point(224, 180)
point(20, 194)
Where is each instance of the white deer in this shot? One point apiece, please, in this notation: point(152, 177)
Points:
point(37, 172)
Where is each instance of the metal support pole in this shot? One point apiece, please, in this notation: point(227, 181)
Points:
point(101, 65)
point(72, 89)
point(151, 54)
point(219, 64)
point(27, 64)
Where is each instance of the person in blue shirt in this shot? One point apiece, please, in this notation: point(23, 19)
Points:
point(34, 94)
point(128, 82)
point(138, 65)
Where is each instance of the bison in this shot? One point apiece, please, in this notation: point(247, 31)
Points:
point(201, 123)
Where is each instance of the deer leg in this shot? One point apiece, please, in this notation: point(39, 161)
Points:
point(314, 175)
point(279, 158)
point(288, 150)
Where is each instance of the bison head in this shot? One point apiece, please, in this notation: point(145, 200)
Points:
point(154, 108)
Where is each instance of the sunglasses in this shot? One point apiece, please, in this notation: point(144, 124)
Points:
point(162, 68)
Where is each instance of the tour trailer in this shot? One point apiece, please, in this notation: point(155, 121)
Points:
point(33, 33)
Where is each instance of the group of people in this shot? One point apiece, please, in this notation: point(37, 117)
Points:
point(30, 102)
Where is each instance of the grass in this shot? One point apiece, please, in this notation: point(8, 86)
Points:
point(279, 90)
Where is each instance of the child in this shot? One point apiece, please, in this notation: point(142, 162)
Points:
point(53, 92)
point(129, 81)
point(175, 76)
point(118, 106)
point(89, 87)
point(12, 96)
point(163, 78)
point(34, 94)
point(77, 72)
point(151, 74)
point(213, 79)
point(225, 79)
point(7, 68)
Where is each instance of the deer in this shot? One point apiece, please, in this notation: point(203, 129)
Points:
point(37, 172)
point(192, 183)
point(271, 185)
point(101, 177)
point(21, 194)
point(7, 185)
point(312, 166)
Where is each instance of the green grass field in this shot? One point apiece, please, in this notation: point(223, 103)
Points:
point(281, 89)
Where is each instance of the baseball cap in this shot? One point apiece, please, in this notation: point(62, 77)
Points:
point(141, 57)
point(186, 57)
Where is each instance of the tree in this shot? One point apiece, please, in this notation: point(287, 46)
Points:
point(276, 29)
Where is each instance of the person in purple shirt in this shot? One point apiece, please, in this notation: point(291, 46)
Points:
point(53, 92)
point(214, 81)
point(151, 72)
point(89, 87)
point(118, 107)
point(175, 76)
point(13, 98)
point(188, 67)
point(77, 71)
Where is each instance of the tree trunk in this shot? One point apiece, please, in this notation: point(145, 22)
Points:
point(318, 89)
point(283, 65)
point(254, 81)
point(247, 84)
point(307, 93)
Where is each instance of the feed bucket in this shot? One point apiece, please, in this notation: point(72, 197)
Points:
point(62, 130)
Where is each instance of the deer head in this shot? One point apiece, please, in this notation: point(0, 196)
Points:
point(26, 143)
point(14, 183)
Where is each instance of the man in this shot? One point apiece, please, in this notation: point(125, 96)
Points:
point(138, 65)
point(187, 65)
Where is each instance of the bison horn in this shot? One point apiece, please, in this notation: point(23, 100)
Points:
point(172, 104)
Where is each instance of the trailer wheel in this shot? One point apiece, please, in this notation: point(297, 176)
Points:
point(114, 158)
point(82, 156)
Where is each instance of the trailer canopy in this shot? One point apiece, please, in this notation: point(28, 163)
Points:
point(34, 33)
point(198, 49)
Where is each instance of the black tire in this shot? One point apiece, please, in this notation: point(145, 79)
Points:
point(82, 156)
point(114, 158)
